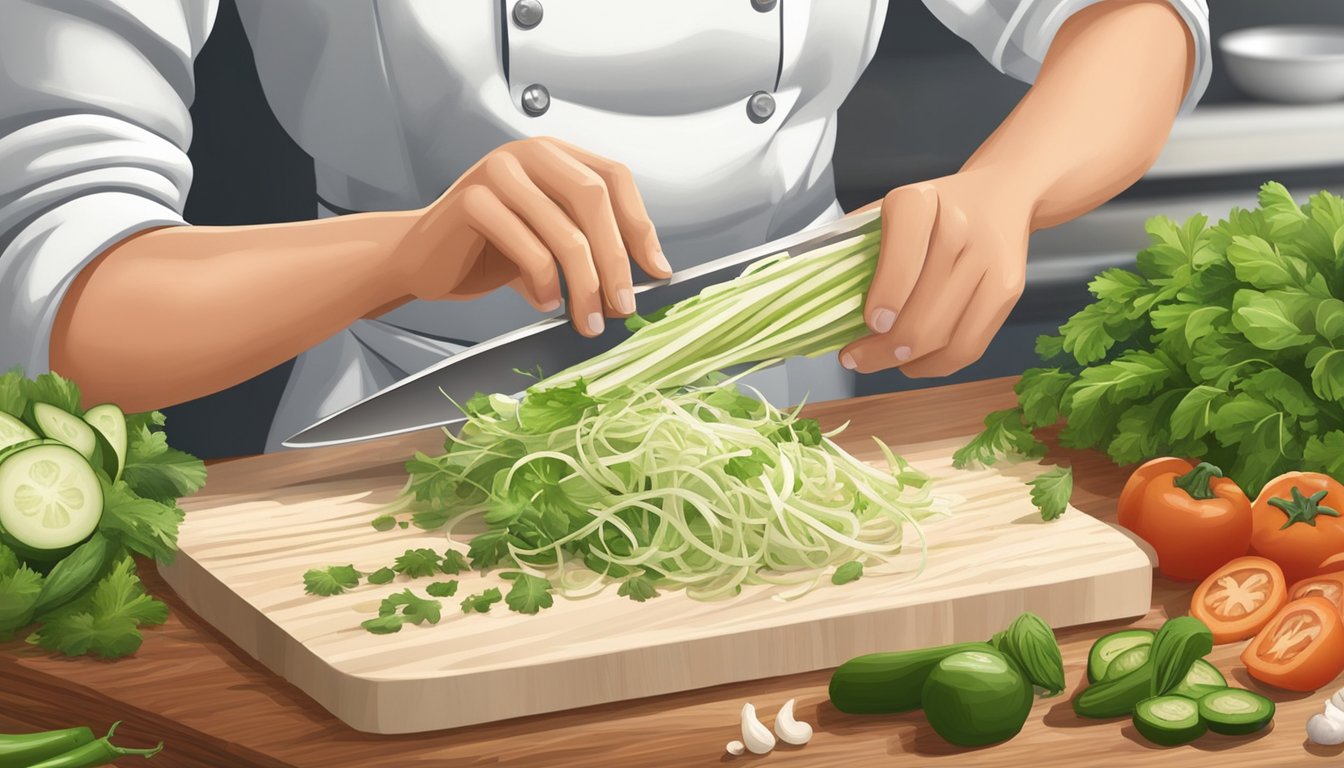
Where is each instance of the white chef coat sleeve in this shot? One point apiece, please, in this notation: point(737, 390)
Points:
point(94, 128)
point(1014, 35)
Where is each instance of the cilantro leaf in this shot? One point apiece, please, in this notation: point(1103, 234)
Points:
point(332, 580)
point(529, 594)
point(19, 589)
point(153, 469)
point(750, 466)
point(412, 607)
point(144, 526)
point(1040, 393)
point(106, 624)
point(547, 410)
point(639, 589)
point(53, 389)
point(481, 603)
point(442, 589)
point(383, 625)
point(382, 576)
point(453, 562)
point(1050, 492)
point(417, 563)
point(491, 548)
point(1004, 434)
point(13, 396)
point(847, 572)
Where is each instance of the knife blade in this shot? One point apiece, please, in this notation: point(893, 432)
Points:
point(420, 401)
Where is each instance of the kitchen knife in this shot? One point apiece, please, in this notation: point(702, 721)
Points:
point(421, 400)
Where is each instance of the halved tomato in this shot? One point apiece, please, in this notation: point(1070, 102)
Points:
point(1240, 598)
point(1327, 585)
point(1301, 649)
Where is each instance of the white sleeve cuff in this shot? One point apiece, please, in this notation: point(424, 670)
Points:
point(1027, 37)
point(40, 263)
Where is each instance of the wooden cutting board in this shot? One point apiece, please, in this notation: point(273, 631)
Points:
point(261, 522)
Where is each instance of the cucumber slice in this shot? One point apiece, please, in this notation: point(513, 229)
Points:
point(1128, 661)
point(1202, 679)
point(69, 429)
point(13, 431)
point(110, 423)
point(1169, 720)
point(50, 498)
point(1236, 712)
point(1108, 647)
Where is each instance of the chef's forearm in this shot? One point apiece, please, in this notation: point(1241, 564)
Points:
point(177, 313)
point(1099, 113)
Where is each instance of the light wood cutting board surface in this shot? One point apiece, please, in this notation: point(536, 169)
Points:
point(261, 523)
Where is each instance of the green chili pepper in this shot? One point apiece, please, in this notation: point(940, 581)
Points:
point(96, 753)
point(21, 750)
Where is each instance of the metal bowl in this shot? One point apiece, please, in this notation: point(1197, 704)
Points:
point(1295, 64)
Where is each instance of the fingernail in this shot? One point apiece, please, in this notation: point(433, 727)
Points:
point(847, 360)
point(625, 300)
point(902, 354)
point(551, 305)
point(660, 261)
point(883, 319)
point(595, 323)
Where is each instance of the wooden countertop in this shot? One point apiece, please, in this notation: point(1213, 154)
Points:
point(214, 706)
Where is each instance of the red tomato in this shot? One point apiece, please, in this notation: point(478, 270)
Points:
point(1131, 497)
point(1297, 522)
point(1301, 649)
point(1240, 598)
point(1196, 521)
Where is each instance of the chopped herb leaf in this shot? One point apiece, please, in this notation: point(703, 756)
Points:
point(847, 572)
point(332, 580)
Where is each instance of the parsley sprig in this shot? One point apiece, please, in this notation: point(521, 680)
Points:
point(1226, 343)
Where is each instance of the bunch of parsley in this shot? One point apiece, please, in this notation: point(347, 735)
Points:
point(140, 517)
point(1226, 344)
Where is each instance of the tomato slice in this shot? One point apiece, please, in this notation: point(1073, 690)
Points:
point(1301, 649)
point(1332, 564)
point(1327, 585)
point(1240, 598)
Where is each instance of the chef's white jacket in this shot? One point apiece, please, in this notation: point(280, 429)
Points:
point(724, 110)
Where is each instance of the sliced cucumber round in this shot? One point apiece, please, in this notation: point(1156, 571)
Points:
point(65, 427)
point(50, 498)
point(110, 424)
point(1128, 662)
point(1236, 712)
point(1108, 647)
point(13, 431)
point(1169, 720)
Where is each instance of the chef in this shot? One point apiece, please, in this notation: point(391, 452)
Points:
point(466, 146)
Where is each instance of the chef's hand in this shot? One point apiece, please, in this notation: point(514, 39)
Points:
point(952, 265)
point(526, 213)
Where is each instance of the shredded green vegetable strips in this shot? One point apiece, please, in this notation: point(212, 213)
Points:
point(780, 307)
point(701, 488)
point(646, 467)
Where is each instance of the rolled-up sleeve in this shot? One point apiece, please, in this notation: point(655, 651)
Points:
point(94, 127)
point(1014, 35)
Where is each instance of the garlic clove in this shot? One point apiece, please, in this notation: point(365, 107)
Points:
point(790, 730)
point(1321, 730)
point(755, 736)
point(735, 747)
point(1333, 713)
